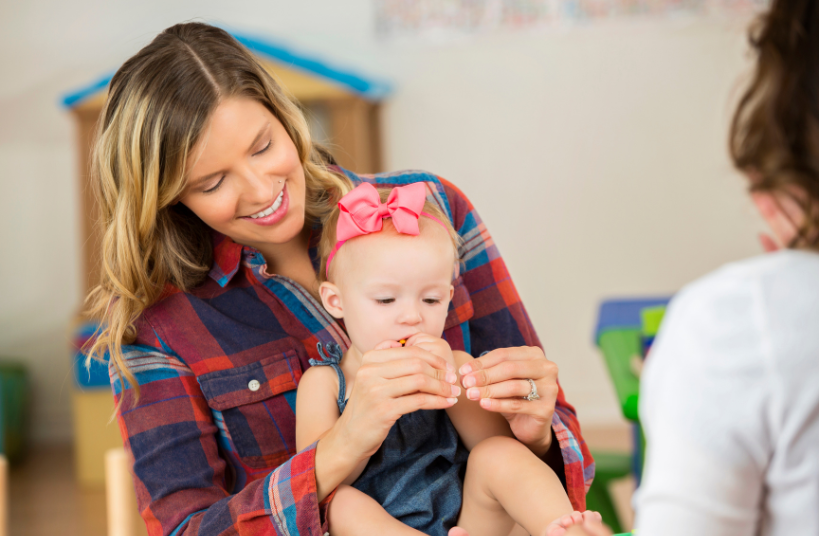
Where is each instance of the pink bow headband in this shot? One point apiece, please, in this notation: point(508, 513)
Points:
point(361, 212)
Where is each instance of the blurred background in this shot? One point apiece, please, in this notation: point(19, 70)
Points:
point(590, 135)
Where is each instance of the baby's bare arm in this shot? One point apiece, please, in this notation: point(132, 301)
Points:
point(317, 410)
point(473, 423)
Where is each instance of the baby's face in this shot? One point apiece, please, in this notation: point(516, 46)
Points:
point(394, 286)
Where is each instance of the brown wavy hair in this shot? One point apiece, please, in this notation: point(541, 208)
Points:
point(159, 103)
point(774, 135)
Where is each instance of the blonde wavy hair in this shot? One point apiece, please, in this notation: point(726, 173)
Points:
point(158, 105)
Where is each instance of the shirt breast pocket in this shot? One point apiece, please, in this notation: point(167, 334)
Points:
point(257, 404)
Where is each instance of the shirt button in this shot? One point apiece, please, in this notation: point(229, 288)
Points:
point(253, 385)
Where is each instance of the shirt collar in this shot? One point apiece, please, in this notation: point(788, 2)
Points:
point(227, 257)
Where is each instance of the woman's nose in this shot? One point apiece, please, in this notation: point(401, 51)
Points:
point(258, 189)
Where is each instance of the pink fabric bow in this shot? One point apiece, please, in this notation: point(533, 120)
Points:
point(361, 212)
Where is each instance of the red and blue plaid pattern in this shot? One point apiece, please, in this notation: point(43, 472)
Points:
point(212, 436)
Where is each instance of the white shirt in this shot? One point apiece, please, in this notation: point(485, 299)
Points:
point(730, 404)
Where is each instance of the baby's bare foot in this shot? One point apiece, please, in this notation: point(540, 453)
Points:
point(558, 526)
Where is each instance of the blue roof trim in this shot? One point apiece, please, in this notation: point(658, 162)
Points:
point(368, 88)
point(69, 100)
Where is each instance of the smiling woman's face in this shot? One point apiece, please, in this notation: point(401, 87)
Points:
point(245, 179)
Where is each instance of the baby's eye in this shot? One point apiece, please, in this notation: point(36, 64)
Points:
point(384, 301)
point(431, 301)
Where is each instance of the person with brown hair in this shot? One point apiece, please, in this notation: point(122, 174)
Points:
point(213, 198)
point(729, 398)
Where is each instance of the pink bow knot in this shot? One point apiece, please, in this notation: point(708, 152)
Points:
point(362, 212)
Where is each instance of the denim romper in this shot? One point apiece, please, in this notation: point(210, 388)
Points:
point(417, 473)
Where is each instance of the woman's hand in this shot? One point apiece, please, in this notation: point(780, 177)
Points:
point(436, 345)
point(499, 380)
point(391, 382)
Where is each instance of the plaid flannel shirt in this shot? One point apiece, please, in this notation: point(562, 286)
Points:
point(212, 436)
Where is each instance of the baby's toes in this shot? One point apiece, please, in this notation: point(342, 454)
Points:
point(593, 517)
point(555, 528)
point(457, 531)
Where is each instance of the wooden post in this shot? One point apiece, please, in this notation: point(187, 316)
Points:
point(87, 117)
point(4, 496)
point(354, 136)
point(123, 515)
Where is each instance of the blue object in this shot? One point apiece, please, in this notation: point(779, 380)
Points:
point(94, 376)
point(624, 313)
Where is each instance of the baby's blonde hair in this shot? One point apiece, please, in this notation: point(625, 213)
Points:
point(328, 235)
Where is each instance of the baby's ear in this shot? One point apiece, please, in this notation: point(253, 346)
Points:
point(451, 292)
point(331, 299)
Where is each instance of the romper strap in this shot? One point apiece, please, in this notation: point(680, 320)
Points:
point(332, 358)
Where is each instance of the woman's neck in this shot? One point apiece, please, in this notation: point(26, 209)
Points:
point(292, 260)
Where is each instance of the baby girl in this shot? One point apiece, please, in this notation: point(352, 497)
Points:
point(458, 471)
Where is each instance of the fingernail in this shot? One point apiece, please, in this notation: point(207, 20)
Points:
point(465, 369)
point(473, 394)
point(451, 377)
point(469, 381)
point(450, 367)
point(451, 400)
point(456, 391)
point(484, 402)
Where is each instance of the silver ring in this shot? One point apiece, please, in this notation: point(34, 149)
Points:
point(533, 393)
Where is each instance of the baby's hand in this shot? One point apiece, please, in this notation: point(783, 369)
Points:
point(434, 345)
point(387, 344)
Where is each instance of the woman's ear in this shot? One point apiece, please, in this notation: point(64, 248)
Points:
point(331, 299)
point(783, 216)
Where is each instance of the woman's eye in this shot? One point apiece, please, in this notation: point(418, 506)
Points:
point(215, 187)
point(266, 147)
point(385, 301)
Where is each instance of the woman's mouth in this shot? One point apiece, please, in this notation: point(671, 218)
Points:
point(274, 212)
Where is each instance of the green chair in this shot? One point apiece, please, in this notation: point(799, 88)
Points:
point(14, 394)
point(625, 329)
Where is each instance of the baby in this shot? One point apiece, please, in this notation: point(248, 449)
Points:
point(391, 282)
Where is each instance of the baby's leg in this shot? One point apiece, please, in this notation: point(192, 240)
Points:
point(353, 512)
point(506, 483)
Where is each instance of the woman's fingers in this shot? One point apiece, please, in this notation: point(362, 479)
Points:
point(514, 405)
point(507, 389)
point(394, 354)
point(410, 403)
point(409, 366)
point(482, 374)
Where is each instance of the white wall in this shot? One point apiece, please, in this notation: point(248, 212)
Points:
point(596, 156)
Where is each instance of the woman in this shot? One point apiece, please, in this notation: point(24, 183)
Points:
point(212, 196)
point(729, 397)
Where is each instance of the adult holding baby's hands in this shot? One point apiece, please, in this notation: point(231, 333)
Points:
point(521, 384)
point(213, 199)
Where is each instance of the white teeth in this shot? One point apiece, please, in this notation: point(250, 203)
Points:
point(273, 208)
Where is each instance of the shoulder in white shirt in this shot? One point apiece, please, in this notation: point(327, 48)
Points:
point(730, 404)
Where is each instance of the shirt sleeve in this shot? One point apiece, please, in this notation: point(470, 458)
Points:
point(499, 320)
point(182, 480)
point(704, 404)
